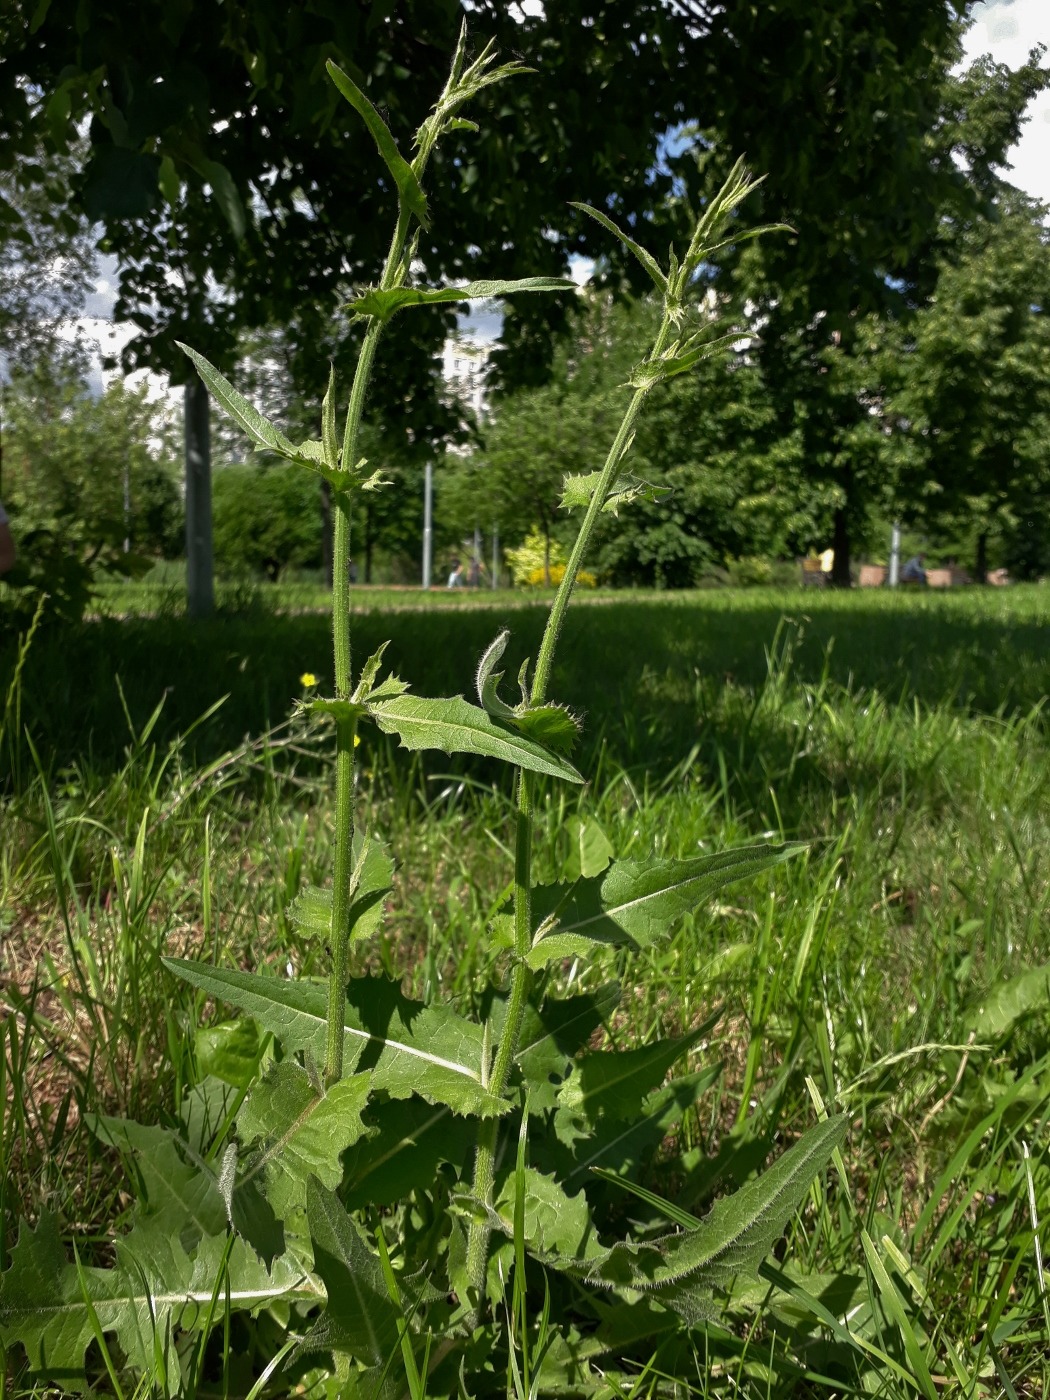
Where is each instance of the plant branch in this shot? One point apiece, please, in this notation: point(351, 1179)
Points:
point(521, 978)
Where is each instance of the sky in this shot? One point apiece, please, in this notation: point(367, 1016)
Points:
point(1007, 29)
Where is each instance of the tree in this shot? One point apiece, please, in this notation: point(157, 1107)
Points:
point(936, 139)
point(216, 146)
point(969, 379)
point(101, 467)
point(92, 486)
point(266, 519)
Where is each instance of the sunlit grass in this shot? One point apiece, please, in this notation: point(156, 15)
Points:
point(913, 756)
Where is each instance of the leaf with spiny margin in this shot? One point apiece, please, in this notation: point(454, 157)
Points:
point(403, 175)
point(342, 711)
point(369, 672)
point(259, 429)
point(554, 1034)
point(615, 1083)
point(409, 1140)
point(360, 1318)
point(553, 726)
point(670, 364)
point(410, 1048)
point(329, 441)
point(487, 679)
point(555, 1222)
point(734, 1238)
point(638, 902)
point(248, 1210)
point(382, 303)
point(311, 910)
point(453, 725)
point(301, 1128)
point(155, 1292)
point(185, 1193)
point(646, 259)
point(578, 490)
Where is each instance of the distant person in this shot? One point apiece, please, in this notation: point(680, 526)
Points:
point(455, 578)
point(914, 570)
point(477, 568)
point(7, 544)
point(827, 561)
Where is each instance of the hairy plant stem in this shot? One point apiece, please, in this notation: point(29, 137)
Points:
point(521, 978)
point(346, 729)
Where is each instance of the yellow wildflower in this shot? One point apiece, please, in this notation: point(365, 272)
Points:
point(308, 679)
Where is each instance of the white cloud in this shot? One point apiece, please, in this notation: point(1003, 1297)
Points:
point(1009, 30)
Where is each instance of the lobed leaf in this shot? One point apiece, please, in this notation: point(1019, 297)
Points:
point(554, 1034)
point(408, 1142)
point(453, 725)
point(578, 490)
point(185, 1193)
point(301, 1128)
point(410, 1048)
point(155, 1292)
point(311, 910)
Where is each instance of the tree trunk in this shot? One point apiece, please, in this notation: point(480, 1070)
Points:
point(200, 574)
point(981, 563)
point(326, 532)
point(840, 568)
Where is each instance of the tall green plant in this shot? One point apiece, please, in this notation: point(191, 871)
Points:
point(368, 1172)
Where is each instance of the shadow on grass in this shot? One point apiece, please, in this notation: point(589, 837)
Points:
point(641, 671)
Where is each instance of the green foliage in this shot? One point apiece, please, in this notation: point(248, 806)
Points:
point(88, 491)
point(680, 763)
point(266, 519)
point(969, 394)
point(352, 1056)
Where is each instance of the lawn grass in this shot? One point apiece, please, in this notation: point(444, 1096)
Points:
point(895, 969)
